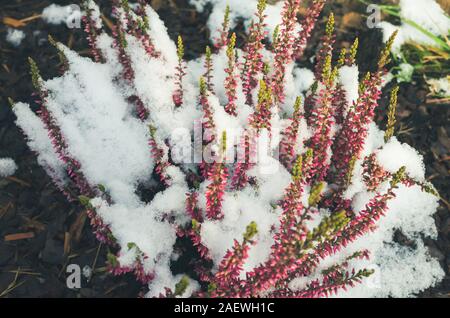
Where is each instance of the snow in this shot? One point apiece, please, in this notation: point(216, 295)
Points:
point(14, 36)
point(405, 73)
point(39, 142)
point(239, 10)
point(95, 13)
point(56, 14)
point(152, 236)
point(411, 212)
point(394, 155)
point(94, 115)
point(304, 78)
point(348, 78)
point(7, 167)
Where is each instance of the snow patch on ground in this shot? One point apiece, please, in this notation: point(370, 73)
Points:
point(56, 14)
point(15, 37)
point(7, 167)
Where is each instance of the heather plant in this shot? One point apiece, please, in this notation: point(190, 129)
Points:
point(227, 168)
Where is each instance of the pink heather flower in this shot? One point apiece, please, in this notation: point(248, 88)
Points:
point(253, 64)
point(289, 140)
point(280, 260)
point(365, 220)
point(208, 117)
point(101, 230)
point(91, 29)
point(194, 231)
point(208, 124)
point(310, 102)
point(326, 49)
point(283, 265)
point(284, 48)
point(232, 263)
point(194, 235)
point(119, 33)
point(160, 156)
point(373, 173)
point(334, 278)
point(332, 283)
point(72, 166)
point(208, 70)
point(223, 40)
point(231, 79)
point(350, 141)
point(293, 213)
point(141, 28)
point(141, 110)
point(358, 225)
point(340, 102)
point(308, 25)
point(137, 268)
point(245, 159)
point(262, 115)
point(217, 175)
point(120, 43)
point(180, 73)
point(192, 207)
point(320, 143)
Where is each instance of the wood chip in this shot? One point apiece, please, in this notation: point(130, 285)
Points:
point(33, 224)
point(66, 243)
point(352, 20)
point(445, 4)
point(76, 228)
point(108, 22)
point(17, 180)
point(18, 236)
point(5, 209)
point(13, 22)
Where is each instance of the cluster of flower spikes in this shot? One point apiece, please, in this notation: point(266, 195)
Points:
point(296, 251)
point(77, 188)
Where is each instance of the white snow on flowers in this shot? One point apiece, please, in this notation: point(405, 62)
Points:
point(7, 167)
point(103, 134)
point(426, 14)
point(239, 10)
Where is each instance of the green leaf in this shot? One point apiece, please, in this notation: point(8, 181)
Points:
point(84, 200)
point(131, 245)
point(181, 286)
point(112, 259)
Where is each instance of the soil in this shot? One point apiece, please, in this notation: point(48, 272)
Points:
point(30, 203)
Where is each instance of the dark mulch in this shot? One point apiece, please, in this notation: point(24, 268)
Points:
point(29, 202)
